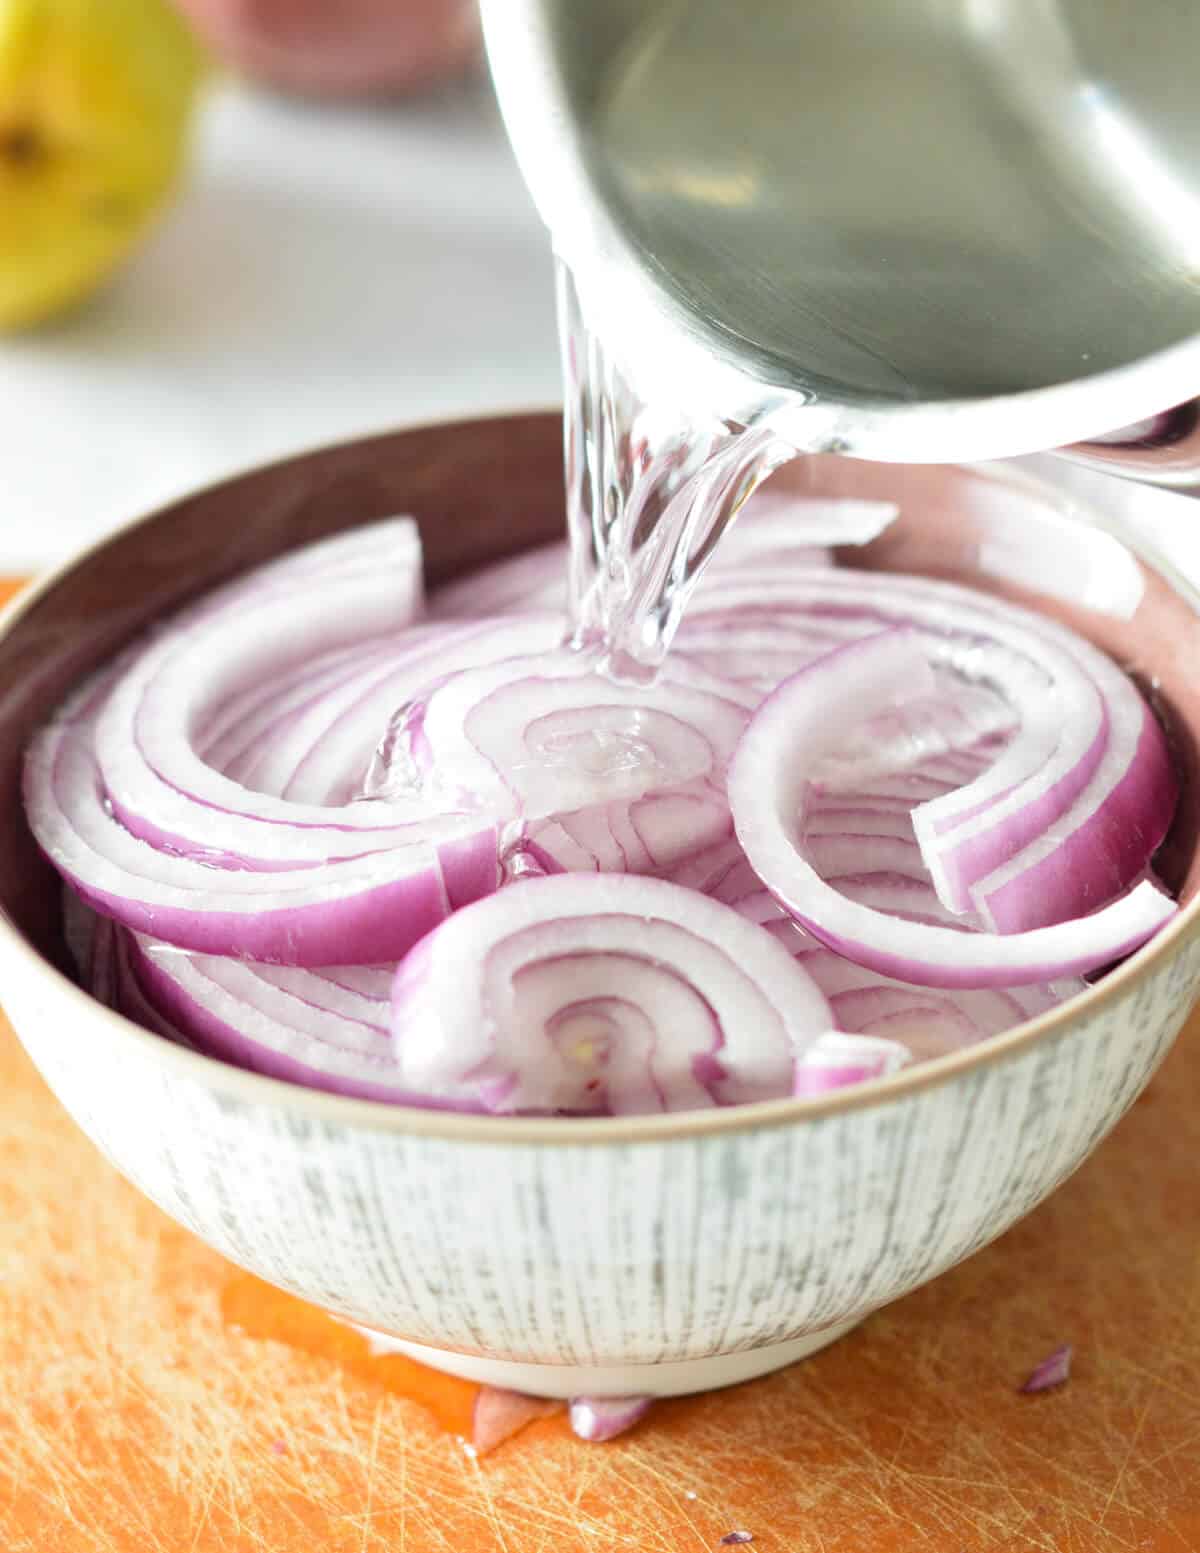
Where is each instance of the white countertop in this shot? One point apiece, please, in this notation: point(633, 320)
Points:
point(326, 272)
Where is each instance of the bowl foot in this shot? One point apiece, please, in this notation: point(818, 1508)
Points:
point(614, 1380)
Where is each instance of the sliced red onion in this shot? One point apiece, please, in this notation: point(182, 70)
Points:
point(903, 896)
point(108, 975)
point(1054, 1370)
point(327, 1028)
point(775, 520)
point(601, 993)
point(365, 909)
point(989, 824)
point(203, 793)
point(161, 789)
point(615, 776)
point(315, 1028)
point(1101, 831)
point(392, 545)
point(165, 843)
point(846, 814)
point(836, 1059)
point(597, 1419)
point(232, 738)
point(927, 1021)
point(499, 1414)
point(1101, 843)
point(795, 530)
point(798, 725)
point(332, 771)
point(856, 853)
point(942, 739)
point(532, 582)
point(753, 651)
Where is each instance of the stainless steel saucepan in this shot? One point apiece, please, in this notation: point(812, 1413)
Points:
point(936, 229)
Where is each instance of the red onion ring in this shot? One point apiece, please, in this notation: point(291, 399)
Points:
point(120, 799)
point(613, 776)
point(786, 738)
point(529, 583)
point(312, 1029)
point(1105, 792)
point(927, 1021)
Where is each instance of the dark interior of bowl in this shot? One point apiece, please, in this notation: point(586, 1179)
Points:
point(483, 489)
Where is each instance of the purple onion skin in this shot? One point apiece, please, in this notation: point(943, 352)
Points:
point(599, 1419)
point(1054, 1370)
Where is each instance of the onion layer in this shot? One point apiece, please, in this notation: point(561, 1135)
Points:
point(150, 832)
point(612, 776)
point(926, 1021)
point(768, 790)
point(592, 993)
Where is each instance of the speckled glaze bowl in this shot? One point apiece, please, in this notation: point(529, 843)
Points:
point(653, 1254)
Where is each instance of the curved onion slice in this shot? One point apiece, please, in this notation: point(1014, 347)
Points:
point(1085, 789)
point(528, 583)
point(786, 738)
point(599, 993)
point(1101, 842)
point(1100, 834)
point(613, 776)
point(327, 1029)
point(363, 910)
point(392, 544)
point(756, 652)
point(927, 1021)
point(324, 1029)
point(165, 793)
point(775, 524)
point(278, 881)
point(232, 740)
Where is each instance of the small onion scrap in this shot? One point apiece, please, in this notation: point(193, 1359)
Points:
point(598, 1419)
point(835, 1060)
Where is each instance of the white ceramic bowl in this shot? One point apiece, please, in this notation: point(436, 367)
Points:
point(653, 1254)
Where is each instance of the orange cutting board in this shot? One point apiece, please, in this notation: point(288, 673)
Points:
point(154, 1400)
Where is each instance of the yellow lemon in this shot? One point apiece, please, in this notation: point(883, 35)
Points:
point(95, 99)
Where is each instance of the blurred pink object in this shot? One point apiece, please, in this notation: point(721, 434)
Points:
point(349, 49)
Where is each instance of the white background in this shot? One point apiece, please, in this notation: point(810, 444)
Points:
point(326, 272)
